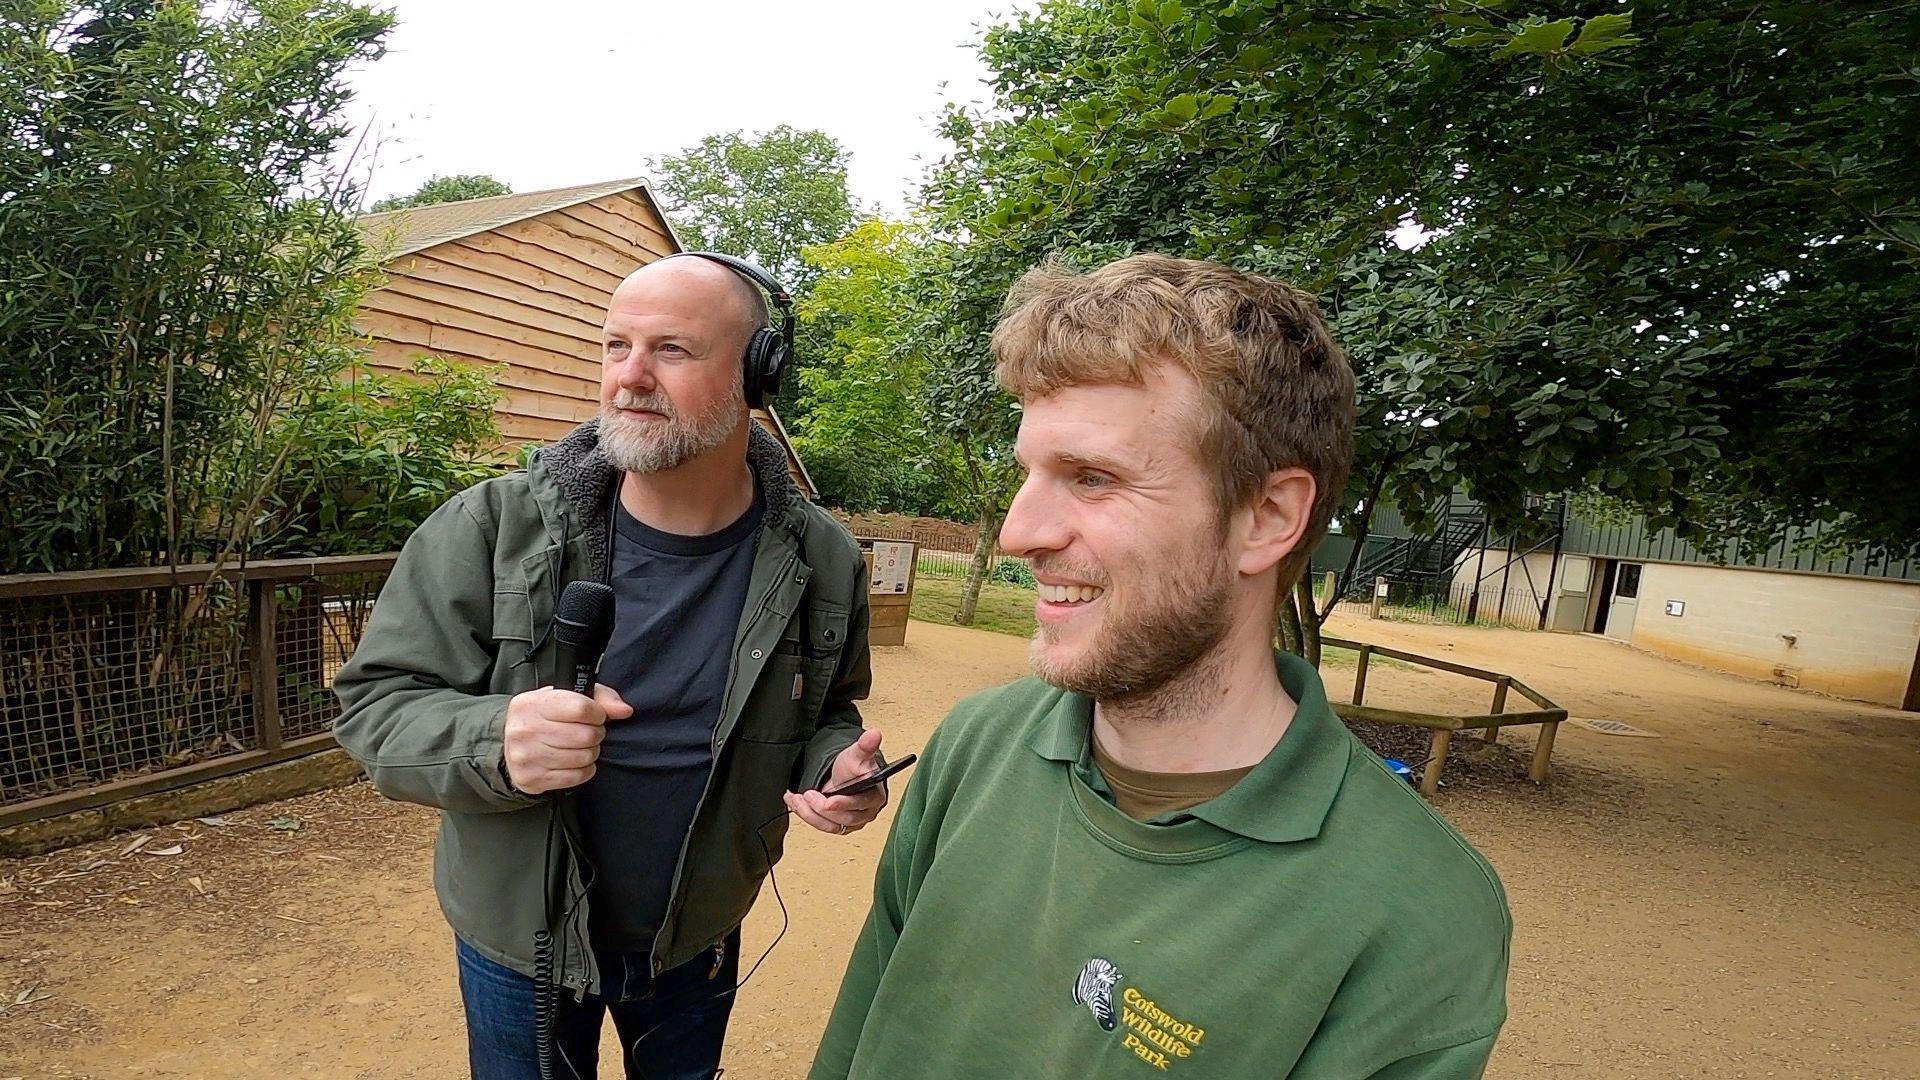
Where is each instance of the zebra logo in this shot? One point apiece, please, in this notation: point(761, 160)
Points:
point(1094, 989)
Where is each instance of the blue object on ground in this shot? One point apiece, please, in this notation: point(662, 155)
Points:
point(1400, 769)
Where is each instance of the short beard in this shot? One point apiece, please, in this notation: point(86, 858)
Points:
point(641, 447)
point(1135, 658)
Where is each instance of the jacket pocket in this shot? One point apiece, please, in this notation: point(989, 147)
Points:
point(776, 707)
point(744, 837)
point(512, 615)
point(827, 640)
point(827, 629)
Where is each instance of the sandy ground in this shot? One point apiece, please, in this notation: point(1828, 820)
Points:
point(1737, 898)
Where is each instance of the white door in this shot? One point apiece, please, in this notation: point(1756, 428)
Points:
point(1626, 601)
point(1576, 585)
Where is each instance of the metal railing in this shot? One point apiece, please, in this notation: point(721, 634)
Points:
point(1004, 569)
point(1448, 601)
point(118, 683)
point(941, 555)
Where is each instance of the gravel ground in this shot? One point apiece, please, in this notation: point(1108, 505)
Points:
point(1739, 897)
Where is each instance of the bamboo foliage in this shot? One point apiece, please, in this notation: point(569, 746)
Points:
point(179, 268)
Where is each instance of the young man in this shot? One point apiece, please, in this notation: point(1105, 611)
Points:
point(635, 825)
point(1166, 855)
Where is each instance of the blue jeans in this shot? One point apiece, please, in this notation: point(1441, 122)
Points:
point(671, 1027)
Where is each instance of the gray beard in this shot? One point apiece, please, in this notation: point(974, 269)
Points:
point(631, 446)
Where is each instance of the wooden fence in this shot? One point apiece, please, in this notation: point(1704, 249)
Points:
point(121, 683)
point(1545, 713)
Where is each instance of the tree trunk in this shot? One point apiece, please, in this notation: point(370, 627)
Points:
point(1309, 620)
point(1320, 614)
point(983, 548)
point(1290, 634)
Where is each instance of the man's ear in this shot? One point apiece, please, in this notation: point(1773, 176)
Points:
point(1277, 520)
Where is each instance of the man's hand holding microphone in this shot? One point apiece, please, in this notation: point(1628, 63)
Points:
point(553, 734)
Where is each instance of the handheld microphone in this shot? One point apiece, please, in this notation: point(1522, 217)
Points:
point(581, 629)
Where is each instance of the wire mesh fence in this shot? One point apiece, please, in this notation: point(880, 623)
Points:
point(108, 676)
point(318, 622)
point(96, 687)
point(1452, 603)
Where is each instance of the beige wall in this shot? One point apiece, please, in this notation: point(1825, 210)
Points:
point(1851, 637)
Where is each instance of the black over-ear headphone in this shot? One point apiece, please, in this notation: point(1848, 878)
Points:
point(769, 351)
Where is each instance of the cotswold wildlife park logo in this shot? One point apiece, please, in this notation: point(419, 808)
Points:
point(1152, 1034)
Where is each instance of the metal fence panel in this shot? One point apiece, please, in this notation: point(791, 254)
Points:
point(121, 679)
point(1455, 603)
point(96, 687)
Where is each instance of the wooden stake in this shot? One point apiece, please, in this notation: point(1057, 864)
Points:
point(1543, 751)
point(1436, 761)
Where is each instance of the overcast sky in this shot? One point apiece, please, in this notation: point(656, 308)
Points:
point(564, 92)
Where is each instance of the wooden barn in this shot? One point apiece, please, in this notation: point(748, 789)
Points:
point(520, 280)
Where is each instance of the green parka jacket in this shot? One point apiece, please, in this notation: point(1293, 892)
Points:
point(462, 625)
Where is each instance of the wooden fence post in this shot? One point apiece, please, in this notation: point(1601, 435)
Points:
point(263, 663)
point(1499, 705)
point(1379, 597)
point(1543, 751)
point(1360, 675)
point(1436, 761)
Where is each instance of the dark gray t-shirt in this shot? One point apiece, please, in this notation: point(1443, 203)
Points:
point(677, 604)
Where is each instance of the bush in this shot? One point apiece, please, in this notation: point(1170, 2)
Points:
point(177, 266)
point(1014, 572)
point(373, 457)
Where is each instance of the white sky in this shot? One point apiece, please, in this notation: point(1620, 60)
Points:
point(567, 92)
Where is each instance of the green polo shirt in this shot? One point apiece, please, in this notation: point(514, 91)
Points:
point(1318, 920)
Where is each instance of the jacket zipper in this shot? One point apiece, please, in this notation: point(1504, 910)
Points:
point(575, 852)
point(713, 769)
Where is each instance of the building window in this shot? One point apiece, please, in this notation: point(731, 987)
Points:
point(1627, 585)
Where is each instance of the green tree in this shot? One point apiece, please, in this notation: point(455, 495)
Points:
point(764, 197)
point(1670, 260)
point(177, 271)
point(909, 400)
point(445, 189)
point(860, 436)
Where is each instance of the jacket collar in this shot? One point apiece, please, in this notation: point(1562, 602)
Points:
point(579, 470)
point(1286, 797)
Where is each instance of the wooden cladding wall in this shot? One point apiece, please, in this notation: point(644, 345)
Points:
point(528, 295)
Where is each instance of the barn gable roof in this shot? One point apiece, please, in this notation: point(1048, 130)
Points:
point(401, 232)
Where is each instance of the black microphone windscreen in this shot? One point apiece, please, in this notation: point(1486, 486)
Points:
point(585, 618)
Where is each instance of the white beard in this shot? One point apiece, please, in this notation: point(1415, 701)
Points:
point(655, 446)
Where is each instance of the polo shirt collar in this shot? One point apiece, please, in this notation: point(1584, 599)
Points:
point(1285, 798)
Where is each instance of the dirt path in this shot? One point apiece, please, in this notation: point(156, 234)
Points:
point(1737, 898)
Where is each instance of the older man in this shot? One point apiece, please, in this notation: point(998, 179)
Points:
point(635, 826)
point(1166, 855)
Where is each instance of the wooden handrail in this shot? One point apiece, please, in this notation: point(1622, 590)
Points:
point(134, 578)
point(1548, 715)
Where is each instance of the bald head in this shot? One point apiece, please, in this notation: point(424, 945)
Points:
point(671, 380)
point(697, 284)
